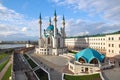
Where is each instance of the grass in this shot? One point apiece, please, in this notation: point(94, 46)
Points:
point(26, 57)
point(84, 77)
point(72, 52)
point(2, 65)
point(2, 55)
point(7, 73)
point(42, 75)
point(32, 64)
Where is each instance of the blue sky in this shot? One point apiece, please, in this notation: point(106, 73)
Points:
point(19, 18)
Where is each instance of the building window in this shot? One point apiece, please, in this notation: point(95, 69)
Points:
point(109, 45)
point(119, 45)
point(109, 38)
point(119, 38)
point(112, 51)
point(112, 45)
point(48, 40)
point(109, 50)
point(112, 38)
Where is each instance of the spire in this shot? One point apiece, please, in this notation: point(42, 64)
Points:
point(49, 20)
point(40, 16)
point(63, 18)
point(63, 21)
point(55, 17)
point(40, 21)
point(55, 13)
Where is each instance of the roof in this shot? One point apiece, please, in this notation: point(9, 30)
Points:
point(88, 54)
point(50, 28)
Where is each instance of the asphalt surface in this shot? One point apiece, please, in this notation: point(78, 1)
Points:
point(21, 68)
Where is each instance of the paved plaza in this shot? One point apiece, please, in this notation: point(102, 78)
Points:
point(57, 60)
point(52, 64)
point(112, 74)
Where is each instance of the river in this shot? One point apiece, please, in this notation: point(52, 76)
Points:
point(5, 46)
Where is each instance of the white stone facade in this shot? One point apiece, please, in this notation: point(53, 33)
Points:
point(79, 68)
point(52, 42)
point(108, 44)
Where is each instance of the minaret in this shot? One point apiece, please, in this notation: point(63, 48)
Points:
point(49, 20)
point(40, 38)
point(55, 23)
point(55, 32)
point(63, 23)
point(40, 22)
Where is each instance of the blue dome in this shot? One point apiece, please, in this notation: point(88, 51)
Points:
point(50, 28)
point(89, 54)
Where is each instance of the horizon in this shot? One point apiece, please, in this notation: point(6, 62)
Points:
point(19, 19)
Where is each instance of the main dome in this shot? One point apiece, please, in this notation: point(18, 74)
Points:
point(50, 28)
point(88, 55)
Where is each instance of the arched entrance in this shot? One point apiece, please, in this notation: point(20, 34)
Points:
point(81, 60)
point(94, 61)
point(86, 70)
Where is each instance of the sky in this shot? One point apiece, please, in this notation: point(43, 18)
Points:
point(19, 18)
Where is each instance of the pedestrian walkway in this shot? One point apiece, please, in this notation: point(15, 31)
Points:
point(5, 68)
point(112, 74)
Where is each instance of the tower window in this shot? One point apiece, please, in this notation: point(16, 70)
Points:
point(48, 40)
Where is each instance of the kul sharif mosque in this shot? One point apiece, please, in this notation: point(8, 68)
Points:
point(53, 40)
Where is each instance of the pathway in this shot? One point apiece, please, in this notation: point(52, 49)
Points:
point(5, 69)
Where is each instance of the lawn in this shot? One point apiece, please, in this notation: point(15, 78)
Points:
point(26, 57)
point(72, 52)
point(2, 55)
point(2, 65)
point(32, 64)
point(7, 73)
point(42, 75)
point(85, 77)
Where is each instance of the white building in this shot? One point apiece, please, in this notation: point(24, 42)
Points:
point(86, 61)
point(107, 44)
point(52, 41)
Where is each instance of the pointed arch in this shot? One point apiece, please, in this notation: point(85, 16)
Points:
point(48, 40)
point(81, 60)
point(94, 61)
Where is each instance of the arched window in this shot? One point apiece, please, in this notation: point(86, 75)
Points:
point(94, 61)
point(81, 60)
point(58, 42)
point(48, 40)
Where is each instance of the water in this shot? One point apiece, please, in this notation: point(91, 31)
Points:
point(5, 46)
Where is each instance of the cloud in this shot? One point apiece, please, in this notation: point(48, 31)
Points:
point(82, 27)
point(16, 24)
point(109, 9)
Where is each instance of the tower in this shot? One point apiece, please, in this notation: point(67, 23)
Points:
point(63, 23)
point(40, 38)
point(40, 22)
point(49, 21)
point(55, 26)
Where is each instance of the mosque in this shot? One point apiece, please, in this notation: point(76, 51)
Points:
point(52, 42)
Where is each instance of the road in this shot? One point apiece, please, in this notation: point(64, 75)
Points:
point(22, 69)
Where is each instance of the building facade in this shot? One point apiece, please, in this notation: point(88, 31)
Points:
point(108, 44)
point(52, 42)
point(86, 61)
